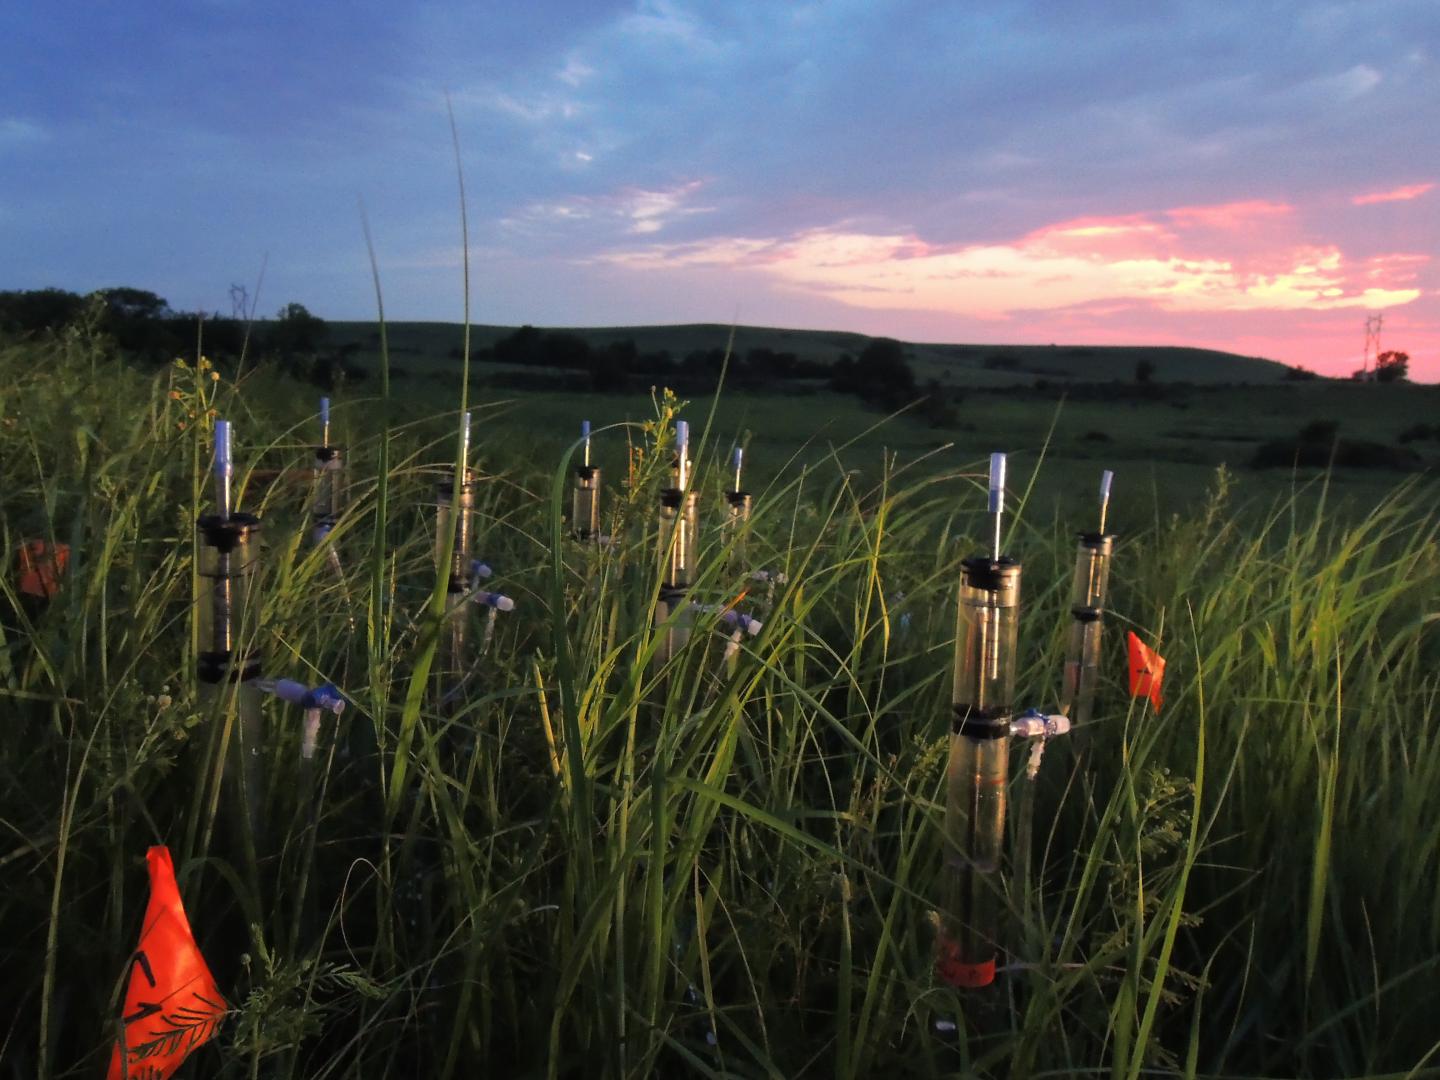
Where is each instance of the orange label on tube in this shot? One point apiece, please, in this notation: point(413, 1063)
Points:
point(955, 972)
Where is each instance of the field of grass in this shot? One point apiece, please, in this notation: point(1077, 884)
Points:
point(1168, 443)
point(592, 865)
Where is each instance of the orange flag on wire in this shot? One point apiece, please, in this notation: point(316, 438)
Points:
point(41, 567)
point(171, 1001)
point(1147, 669)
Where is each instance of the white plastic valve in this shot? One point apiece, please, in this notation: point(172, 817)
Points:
point(1037, 725)
point(741, 621)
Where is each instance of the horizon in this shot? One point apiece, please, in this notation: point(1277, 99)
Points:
point(1238, 180)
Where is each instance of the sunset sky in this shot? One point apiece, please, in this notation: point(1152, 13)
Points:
point(1256, 176)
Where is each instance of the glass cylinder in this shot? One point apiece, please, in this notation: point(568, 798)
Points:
point(329, 499)
point(227, 607)
point(445, 512)
point(975, 780)
point(235, 707)
point(585, 503)
point(738, 506)
point(1092, 570)
point(670, 609)
point(985, 637)
point(679, 537)
point(1082, 666)
point(452, 659)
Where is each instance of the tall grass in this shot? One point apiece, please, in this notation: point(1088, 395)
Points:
point(600, 867)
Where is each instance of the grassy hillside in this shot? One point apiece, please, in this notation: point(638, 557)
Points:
point(425, 346)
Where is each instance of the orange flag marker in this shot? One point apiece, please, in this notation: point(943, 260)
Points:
point(1147, 670)
point(41, 567)
point(171, 1002)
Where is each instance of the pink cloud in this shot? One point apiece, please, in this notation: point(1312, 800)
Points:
point(1400, 194)
point(1228, 216)
point(1230, 275)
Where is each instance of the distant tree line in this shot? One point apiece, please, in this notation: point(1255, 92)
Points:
point(880, 375)
point(617, 365)
point(144, 327)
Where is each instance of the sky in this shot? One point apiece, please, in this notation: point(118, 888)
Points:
point(1253, 176)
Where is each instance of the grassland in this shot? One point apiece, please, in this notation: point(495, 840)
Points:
point(1205, 409)
point(596, 868)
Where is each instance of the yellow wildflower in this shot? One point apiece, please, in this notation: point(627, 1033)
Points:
point(214, 376)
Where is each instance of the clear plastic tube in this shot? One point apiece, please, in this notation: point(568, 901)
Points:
point(679, 537)
point(585, 503)
point(1087, 614)
point(1082, 668)
point(452, 661)
point(978, 768)
point(975, 782)
point(328, 502)
point(227, 609)
point(985, 638)
point(1092, 571)
point(227, 615)
point(461, 557)
point(674, 632)
point(738, 506)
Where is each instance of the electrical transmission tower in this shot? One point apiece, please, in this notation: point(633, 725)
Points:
point(1373, 323)
point(240, 303)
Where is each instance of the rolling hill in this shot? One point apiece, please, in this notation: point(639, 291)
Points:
point(428, 346)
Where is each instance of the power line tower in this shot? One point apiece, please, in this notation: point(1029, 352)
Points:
point(1373, 324)
point(240, 303)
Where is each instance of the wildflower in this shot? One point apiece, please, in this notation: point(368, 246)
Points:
point(204, 363)
point(214, 376)
point(174, 395)
point(163, 701)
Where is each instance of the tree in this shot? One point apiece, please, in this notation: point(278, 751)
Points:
point(296, 331)
point(30, 312)
point(882, 375)
point(135, 304)
point(1392, 366)
point(1144, 371)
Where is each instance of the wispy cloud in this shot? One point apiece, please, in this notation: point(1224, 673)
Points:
point(636, 211)
point(16, 131)
point(1400, 194)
